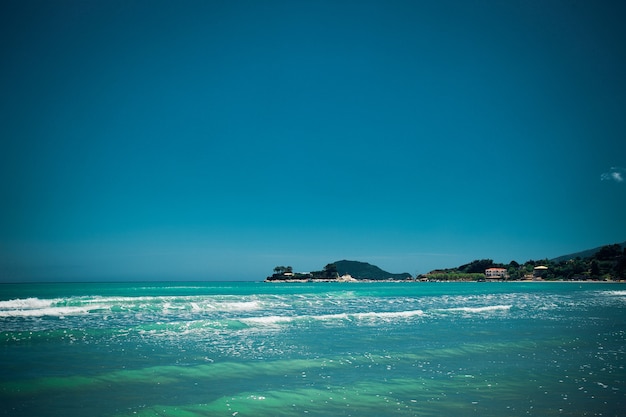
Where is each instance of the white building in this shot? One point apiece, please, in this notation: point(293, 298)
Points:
point(495, 273)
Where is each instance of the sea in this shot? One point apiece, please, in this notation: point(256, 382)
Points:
point(313, 349)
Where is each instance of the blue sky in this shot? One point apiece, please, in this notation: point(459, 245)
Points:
point(218, 139)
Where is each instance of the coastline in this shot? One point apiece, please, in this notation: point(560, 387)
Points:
point(305, 281)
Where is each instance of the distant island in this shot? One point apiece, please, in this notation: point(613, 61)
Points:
point(343, 270)
point(606, 263)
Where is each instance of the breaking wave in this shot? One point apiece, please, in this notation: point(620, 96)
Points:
point(372, 315)
point(480, 309)
point(58, 307)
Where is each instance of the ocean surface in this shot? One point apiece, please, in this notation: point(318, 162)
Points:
point(313, 349)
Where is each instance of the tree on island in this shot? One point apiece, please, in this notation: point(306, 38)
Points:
point(477, 267)
point(594, 269)
point(329, 272)
point(280, 270)
point(514, 270)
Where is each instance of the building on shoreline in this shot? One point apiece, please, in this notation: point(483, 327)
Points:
point(496, 273)
point(540, 271)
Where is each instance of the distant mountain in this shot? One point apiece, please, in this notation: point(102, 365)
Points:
point(363, 270)
point(583, 254)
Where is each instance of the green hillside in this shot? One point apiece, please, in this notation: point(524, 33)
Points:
point(363, 270)
point(583, 254)
point(605, 263)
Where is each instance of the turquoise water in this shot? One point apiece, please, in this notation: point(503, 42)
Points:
point(319, 349)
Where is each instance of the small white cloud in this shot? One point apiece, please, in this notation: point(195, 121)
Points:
point(616, 174)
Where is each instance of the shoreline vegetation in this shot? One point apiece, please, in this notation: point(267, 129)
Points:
point(605, 264)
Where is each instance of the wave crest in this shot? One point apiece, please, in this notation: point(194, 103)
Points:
point(479, 309)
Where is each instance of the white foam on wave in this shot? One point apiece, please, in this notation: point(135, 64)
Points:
point(52, 312)
point(479, 309)
point(390, 314)
point(36, 307)
point(167, 306)
point(372, 315)
point(198, 306)
point(26, 304)
point(267, 320)
point(239, 306)
point(113, 300)
point(328, 317)
point(620, 293)
point(165, 303)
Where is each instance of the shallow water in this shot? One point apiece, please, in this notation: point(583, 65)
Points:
point(286, 349)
